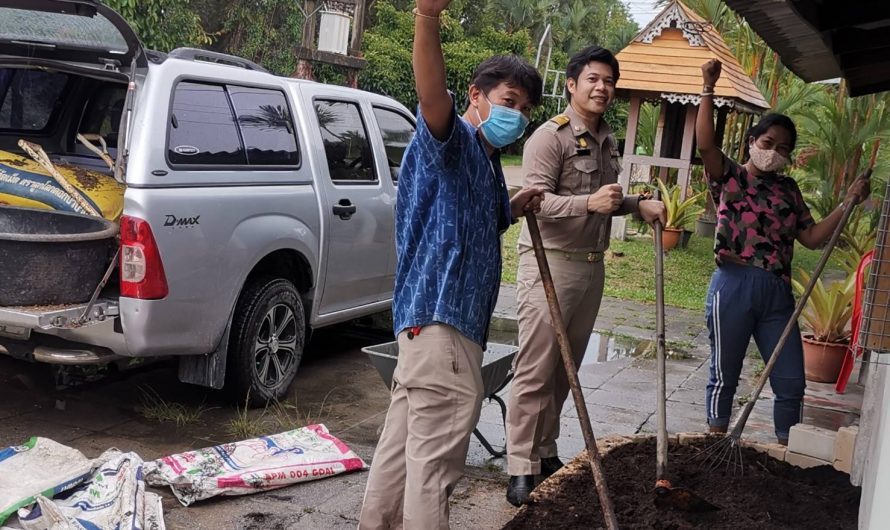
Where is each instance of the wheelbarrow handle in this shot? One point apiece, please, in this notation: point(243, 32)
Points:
point(565, 350)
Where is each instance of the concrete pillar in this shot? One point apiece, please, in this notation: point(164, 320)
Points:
point(871, 463)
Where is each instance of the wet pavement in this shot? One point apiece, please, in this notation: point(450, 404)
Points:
point(335, 386)
point(338, 386)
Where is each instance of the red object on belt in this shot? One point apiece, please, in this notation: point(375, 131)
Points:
point(413, 332)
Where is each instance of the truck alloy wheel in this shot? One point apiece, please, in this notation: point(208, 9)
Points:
point(276, 344)
point(266, 342)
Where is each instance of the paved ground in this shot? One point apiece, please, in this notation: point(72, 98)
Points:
point(338, 386)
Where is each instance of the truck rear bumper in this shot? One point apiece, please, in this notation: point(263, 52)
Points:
point(63, 334)
point(73, 356)
point(18, 322)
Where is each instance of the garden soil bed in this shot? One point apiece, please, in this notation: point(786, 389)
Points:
point(770, 495)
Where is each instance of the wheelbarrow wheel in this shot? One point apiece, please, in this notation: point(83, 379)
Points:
point(268, 335)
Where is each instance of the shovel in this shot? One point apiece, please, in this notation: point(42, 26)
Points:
point(565, 350)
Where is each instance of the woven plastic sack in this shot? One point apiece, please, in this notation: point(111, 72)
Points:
point(113, 498)
point(40, 466)
point(258, 464)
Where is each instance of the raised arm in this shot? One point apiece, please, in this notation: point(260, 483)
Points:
point(710, 153)
point(436, 104)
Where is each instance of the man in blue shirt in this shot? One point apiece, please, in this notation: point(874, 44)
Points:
point(452, 208)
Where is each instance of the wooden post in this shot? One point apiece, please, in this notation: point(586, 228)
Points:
point(355, 45)
point(720, 128)
point(358, 29)
point(630, 141)
point(659, 138)
point(307, 40)
point(619, 224)
point(686, 148)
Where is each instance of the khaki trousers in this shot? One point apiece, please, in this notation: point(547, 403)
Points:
point(436, 398)
point(540, 386)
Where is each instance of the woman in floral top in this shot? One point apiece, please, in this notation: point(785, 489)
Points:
point(760, 213)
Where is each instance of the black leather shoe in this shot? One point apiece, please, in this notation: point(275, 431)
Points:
point(519, 489)
point(550, 465)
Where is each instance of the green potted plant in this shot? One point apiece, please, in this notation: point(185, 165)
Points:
point(680, 213)
point(825, 318)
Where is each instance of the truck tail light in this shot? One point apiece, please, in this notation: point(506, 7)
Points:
point(142, 272)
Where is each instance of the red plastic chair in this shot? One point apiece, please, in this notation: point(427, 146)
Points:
point(854, 350)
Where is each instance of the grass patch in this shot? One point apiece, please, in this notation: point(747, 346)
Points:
point(290, 416)
point(630, 269)
point(511, 160)
point(275, 417)
point(509, 255)
point(630, 272)
point(154, 407)
point(246, 423)
point(759, 368)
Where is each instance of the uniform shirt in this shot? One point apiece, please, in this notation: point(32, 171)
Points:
point(758, 218)
point(571, 163)
point(452, 207)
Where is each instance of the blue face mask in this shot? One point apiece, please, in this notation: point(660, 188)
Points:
point(503, 126)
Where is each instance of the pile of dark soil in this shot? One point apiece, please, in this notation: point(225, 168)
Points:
point(769, 495)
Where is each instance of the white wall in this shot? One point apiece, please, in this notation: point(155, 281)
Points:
point(871, 466)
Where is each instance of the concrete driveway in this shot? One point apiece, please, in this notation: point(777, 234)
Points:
point(336, 386)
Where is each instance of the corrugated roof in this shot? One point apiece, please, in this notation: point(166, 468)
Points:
point(820, 40)
point(661, 59)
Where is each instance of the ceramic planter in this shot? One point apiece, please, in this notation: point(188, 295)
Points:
point(670, 237)
point(705, 228)
point(822, 360)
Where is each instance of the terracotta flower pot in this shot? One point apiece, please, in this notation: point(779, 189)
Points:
point(670, 237)
point(822, 360)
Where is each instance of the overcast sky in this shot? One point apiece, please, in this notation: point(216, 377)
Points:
point(642, 11)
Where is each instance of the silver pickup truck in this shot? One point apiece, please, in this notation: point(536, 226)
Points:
point(255, 209)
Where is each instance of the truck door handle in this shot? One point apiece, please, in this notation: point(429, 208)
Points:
point(344, 209)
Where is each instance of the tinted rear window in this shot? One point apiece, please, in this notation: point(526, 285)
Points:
point(266, 126)
point(28, 98)
point(202, 128)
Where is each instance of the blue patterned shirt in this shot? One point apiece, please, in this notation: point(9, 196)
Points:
point(452, 207)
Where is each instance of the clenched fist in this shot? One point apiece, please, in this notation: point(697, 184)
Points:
point(710, 72)
point(606, 200)
point(432, 8)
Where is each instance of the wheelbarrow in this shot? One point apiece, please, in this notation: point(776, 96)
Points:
point(497, 371)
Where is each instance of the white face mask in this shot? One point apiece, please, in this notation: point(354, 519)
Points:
point(767, 160)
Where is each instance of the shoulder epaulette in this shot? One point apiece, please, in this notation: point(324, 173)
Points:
point(560, 120)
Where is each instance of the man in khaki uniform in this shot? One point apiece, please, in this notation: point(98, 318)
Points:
point(574, 158)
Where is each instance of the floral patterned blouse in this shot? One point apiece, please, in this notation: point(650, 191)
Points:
point(758, 218)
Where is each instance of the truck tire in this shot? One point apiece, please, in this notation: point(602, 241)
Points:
point(267, 339)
